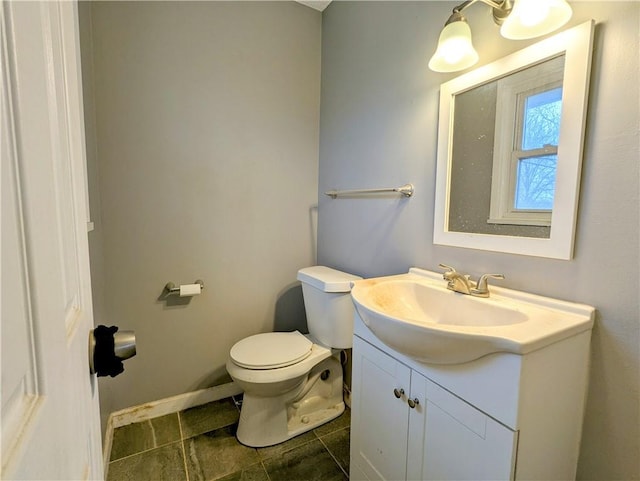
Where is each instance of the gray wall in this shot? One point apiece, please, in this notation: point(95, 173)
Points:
point(379, 115)
point(207, 124)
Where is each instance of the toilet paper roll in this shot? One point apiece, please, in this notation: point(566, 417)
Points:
point(188, 290)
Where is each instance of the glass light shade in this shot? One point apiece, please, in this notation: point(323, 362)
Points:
point(455, 50)
point(533, 18)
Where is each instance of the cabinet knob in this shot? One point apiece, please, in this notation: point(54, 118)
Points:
point(413, 402)
point(398, 392)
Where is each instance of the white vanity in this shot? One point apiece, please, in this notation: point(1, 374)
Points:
point(473, 388)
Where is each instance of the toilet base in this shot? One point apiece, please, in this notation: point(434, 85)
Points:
point(301, 423)
point(265, 421)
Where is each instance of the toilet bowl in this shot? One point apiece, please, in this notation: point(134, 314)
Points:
point(292, 382)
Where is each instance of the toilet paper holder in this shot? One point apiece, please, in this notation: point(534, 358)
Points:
point(171, 289)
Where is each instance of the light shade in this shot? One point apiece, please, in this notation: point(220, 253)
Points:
point(533, 18)
point(455, 50)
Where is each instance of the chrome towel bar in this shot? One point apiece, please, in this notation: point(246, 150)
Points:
point(406, 190)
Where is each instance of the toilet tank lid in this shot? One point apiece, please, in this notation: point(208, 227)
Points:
point(327, 279)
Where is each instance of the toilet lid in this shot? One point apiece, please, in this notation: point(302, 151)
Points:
point(271, 350)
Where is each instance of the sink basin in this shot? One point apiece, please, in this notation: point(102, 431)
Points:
point(416, 315)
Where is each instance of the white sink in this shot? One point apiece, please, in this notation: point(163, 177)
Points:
point(416, 315)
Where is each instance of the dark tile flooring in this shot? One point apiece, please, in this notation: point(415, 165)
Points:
point(199, 444)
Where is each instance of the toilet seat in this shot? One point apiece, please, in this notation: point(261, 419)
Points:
point(271, 350)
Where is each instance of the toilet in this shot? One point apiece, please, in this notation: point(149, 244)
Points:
point(292, 382)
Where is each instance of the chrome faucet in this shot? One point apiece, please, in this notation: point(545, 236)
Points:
point(462, 283)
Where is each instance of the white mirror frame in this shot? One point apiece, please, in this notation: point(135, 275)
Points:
point(576, 43)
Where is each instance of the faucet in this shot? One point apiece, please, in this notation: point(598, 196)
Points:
point(463, 284)
point(455, 281)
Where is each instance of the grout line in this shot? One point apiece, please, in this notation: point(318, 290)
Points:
point(145, 451)
point(153, 437)
point(265, 470)
point(184, 451)
point(331, 454)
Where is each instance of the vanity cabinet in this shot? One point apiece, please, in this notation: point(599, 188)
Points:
point(503, 416)
point(405, 426)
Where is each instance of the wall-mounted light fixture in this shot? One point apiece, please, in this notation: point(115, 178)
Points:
point(518, 19)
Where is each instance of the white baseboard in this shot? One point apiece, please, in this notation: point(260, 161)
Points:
point(154, 409)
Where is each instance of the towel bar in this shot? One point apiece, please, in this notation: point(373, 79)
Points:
point(406, 190)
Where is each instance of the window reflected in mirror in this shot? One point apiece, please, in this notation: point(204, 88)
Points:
point(526, 137)
point(504, 160)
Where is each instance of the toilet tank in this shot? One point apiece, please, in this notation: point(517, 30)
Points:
point(327, 302)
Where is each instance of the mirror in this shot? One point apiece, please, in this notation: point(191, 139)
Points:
point(510, 139)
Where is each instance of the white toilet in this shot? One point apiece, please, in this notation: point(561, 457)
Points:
point(293, 382)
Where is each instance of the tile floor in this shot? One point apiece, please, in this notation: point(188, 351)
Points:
point(199, 444)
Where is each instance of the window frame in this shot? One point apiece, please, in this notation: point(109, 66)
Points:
point(512, 92)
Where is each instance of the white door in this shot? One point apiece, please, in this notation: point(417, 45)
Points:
point(451, 440)
point(50, 418)
point(380, 415)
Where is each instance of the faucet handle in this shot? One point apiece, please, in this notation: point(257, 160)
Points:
point(448, 275)
point(482, 287)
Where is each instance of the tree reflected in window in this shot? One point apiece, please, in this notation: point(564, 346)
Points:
point(536, 174)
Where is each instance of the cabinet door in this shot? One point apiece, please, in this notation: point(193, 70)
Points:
point(451, 440)
point(379, 420)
